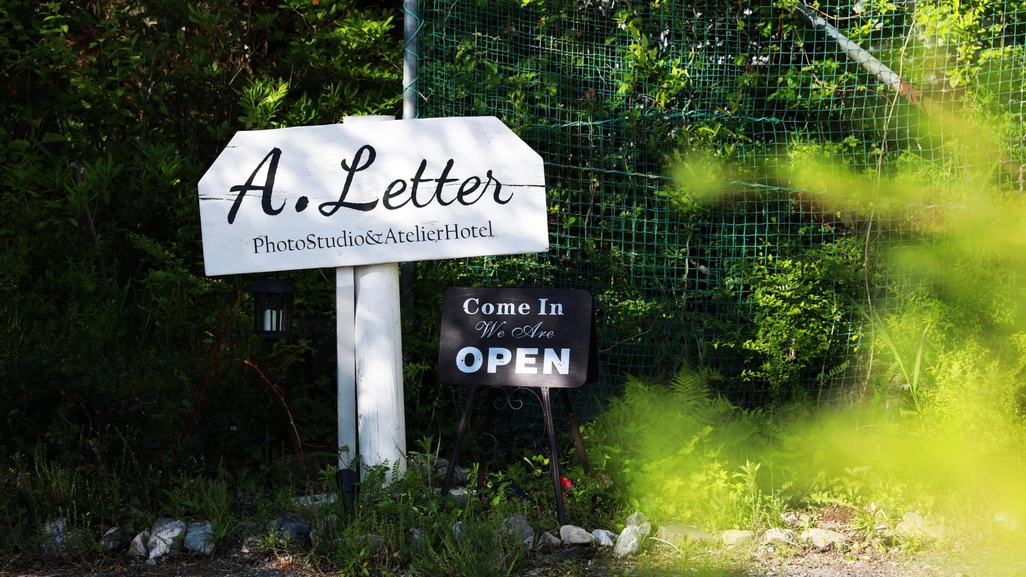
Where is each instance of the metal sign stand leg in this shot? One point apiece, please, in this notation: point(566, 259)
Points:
point(464, 425)
point(553, 454)
point(575, 430)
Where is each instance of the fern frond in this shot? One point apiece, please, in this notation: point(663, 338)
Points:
point(691, 388)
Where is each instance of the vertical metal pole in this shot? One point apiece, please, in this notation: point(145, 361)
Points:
point(411, 27)
point(553, 454)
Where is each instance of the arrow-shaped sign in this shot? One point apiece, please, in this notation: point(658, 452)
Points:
point(365, 193)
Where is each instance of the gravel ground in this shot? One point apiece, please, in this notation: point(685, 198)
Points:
point(801, 564)
point(958, 558)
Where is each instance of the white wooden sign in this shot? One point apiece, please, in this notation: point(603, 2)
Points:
point(371, 192)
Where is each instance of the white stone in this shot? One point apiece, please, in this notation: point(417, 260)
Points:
point(165, 537)
point(199, 538)
point(604, 538)
point(311, 501)
point(574, 535)
point(778, 536)
point(915, 525)
point(629, 541)
point(636, 519)
point(416, 540)
point(1007, 519)
point(57, 537)
point(137, 547)
point(518, 527)
point(373, 543)
point(548, 542)
point(823, 539)
point(115, 539)
point(735, 537)
point(673, 533)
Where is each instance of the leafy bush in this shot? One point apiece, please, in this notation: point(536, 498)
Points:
point(800, 308)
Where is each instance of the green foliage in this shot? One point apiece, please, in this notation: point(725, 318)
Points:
point(408, 524)
point(747, 502)
point(108, 117)
point(799, 307)
point(678, 452)
point(122, 360)
point(608, 93)
point(777, 307)
point(908, 363)
point(124, 364)
point(477, 548)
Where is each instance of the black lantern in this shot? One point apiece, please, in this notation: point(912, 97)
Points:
point(273, 302)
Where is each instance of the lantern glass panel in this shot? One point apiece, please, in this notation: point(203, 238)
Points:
point(273, 302)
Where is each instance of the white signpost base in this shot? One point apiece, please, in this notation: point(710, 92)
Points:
point(371, 411)
point(379, 370)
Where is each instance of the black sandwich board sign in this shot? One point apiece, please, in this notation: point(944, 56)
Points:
point(517, 337)
point(536, 338)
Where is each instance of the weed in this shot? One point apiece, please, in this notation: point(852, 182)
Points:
point(747, 503)
point(477, 547)
point(910, 375)
point(868, 523)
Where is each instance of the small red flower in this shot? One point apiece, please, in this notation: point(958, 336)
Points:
point(566, 483)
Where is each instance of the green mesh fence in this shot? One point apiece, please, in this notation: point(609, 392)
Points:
point(768, 282)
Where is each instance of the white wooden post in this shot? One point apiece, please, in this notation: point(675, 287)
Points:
point(379, 370)
point(371, 417)
point(345, 317)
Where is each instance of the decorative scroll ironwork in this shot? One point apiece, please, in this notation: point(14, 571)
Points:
point(505, 397)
